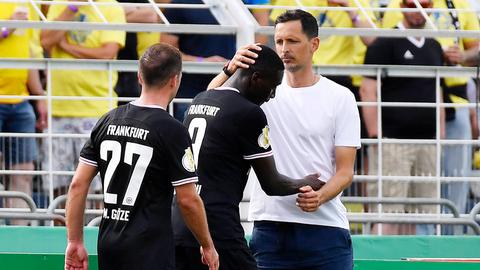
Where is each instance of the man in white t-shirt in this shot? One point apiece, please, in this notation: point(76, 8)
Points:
point(314, 127)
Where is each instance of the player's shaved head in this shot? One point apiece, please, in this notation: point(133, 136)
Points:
point(258, 82)
point(159, 63)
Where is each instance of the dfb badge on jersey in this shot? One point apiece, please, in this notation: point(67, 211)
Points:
point(263, 140)
point(187, 160)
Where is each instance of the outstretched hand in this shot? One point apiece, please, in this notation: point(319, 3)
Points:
point(76, 257)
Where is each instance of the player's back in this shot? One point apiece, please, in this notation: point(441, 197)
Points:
point(222, 124)
point(135, 148)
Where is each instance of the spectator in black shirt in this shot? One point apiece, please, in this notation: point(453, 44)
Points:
point(404, 122)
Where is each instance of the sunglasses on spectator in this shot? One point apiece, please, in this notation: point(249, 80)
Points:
point(423, 4)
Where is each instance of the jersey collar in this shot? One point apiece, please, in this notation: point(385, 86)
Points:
point(227, 88)
point(135, 103)
point(417, 42)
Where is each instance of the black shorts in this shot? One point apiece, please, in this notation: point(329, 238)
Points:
point(188, 258)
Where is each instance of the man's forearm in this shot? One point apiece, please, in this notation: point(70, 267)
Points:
point(50, 38)
point(338, 183)
point(368, 93)
point(77, 194)
point(276, 184)
point(74, 212)
point(357, 22)
point(284, 185)
point(104, 52)
point(34, 85)
point(141, 15)
point(471, 57)
point(195, 218)
point(218, 81)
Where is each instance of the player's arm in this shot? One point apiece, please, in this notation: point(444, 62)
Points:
point(193, 212)
point(310, 200)
point(276, 184)
point(242, 59)
point(76, 256)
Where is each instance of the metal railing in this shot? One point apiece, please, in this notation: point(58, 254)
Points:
point(20, 213)
point(241, 20)
point(244, 27)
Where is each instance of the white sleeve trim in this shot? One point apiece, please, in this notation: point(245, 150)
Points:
point(88, 161)
point(259, 155)
point(185, 181)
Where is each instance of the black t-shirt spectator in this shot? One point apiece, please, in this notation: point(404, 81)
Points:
point(407, 122)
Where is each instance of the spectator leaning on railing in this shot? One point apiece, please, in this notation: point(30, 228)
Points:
point(79, 116)
point(16, 114)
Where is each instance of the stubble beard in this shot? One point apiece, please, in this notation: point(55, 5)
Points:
point(293, 68)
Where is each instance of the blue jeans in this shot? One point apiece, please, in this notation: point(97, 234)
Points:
point(17, 118)
point(457, 162)
point(293, 246)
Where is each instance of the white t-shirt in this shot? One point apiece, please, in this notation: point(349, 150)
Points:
point(305, 126)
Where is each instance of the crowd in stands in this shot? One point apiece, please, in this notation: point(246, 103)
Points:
point(79, 116)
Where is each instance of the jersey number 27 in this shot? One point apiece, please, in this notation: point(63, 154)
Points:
point(144, 153)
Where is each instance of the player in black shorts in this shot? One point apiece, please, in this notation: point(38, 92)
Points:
point(229, 134)
point(142, 154)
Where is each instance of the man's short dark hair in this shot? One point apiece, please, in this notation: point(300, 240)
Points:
point(309, 23)
point(159, 63)
point(267, 62)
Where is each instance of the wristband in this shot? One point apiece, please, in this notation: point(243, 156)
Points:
point(5, 32)
point(355, 18)
point(199, 59)
point(225, 69)
point(73, 8)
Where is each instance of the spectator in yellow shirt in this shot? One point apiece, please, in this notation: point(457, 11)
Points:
point(79, 116)
point(16, 114)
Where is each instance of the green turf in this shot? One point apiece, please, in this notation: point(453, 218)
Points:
point(24, 261)
point(405, 265)
point(42, 248)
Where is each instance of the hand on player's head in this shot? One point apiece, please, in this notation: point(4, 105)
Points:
point(244, 57)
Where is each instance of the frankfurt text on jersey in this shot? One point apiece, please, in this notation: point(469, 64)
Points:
point(127, 131)
point(203, 109)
